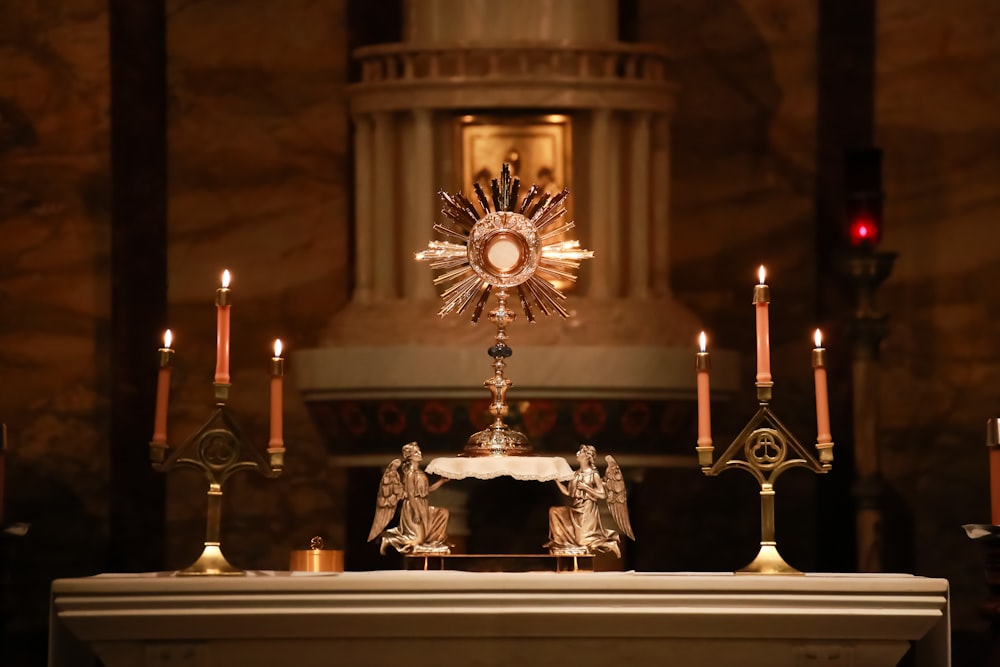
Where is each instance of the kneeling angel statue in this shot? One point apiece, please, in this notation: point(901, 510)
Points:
point(577, 530)
point(423, 528)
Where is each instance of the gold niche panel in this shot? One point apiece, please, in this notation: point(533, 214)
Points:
point(537, 148)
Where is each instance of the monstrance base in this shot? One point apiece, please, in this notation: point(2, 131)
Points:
point(498, 441)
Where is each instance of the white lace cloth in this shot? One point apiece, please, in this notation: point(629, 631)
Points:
point(525, 468)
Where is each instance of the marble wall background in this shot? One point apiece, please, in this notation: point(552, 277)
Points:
point(257, 150)
point(938, 121)
point(54, 294)
point(743, 154)
point(743, 159)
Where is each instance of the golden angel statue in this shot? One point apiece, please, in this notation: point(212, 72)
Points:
point(422, 528)
point(577, 530)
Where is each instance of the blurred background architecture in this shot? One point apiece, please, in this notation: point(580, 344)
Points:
point(144, 147)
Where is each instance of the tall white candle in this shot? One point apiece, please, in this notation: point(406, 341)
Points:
point(277, 440)
point(703, 366)
point(993, 445)
point(761, 299)
point(822, 398)
point(163, 390)
point(222, 331)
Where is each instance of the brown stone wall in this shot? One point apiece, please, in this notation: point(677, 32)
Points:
point(743, 165)
point(54, 294)
point(938, 121)
point(257, 155)
point(743, 168)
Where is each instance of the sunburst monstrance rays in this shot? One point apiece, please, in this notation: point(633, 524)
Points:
point(510, 244)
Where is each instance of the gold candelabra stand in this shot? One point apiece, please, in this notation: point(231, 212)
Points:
point(765, 448)
point(218, 450)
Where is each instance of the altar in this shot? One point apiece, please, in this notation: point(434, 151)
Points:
point(448, 618)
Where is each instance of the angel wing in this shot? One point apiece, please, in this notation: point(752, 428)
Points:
point(614, 483)
point(390, 489)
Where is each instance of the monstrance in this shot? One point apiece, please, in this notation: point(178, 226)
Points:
point(511, 247)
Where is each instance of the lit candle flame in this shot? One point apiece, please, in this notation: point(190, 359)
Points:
point(277, 347)
point(168, 338)
point(225, 278)
point(761, 274)
point(818, 337)
point(703, 341)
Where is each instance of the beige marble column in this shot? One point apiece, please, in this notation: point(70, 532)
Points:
point(639, 222)
point(600, 283)
point(659, 185)
point(613, 224)
point(383, 208)
point(419, 215)
point(454, 21)
point(363, 275)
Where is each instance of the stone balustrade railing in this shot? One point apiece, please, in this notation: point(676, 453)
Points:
point(612, 75)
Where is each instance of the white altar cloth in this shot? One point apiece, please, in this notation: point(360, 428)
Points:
point(440, 619)
point(524, 468)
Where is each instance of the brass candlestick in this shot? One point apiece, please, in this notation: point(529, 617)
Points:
point(765, 447)
point(218, 450)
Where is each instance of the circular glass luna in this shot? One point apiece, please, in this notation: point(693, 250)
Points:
point(504, 249)
point(504, 252)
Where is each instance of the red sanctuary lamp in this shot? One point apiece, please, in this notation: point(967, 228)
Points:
point(864, 230)
point(863, 204)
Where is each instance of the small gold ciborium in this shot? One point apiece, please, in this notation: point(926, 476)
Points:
point(316, 558)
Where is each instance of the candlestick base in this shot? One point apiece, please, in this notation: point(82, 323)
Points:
point(768, 561)
point(765, 448)
point(218, 451)
point(211, 562)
